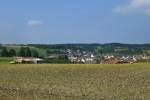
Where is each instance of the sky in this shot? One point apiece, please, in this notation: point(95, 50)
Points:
point(74, 21)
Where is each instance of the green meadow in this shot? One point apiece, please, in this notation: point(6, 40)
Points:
point(75, 82)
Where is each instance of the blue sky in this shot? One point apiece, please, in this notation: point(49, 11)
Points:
point(74, 21)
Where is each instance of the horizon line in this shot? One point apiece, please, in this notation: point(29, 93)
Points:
point(72, 43)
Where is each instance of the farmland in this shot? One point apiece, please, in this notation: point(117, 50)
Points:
point(75, 82)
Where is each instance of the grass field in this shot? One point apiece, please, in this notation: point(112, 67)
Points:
point(5, 60)
point(75, 82)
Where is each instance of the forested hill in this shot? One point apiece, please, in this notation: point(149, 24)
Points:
point(115, 48)
point(92, 46)
point(105, 48)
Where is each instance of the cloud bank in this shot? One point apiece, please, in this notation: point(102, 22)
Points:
point(134, 6)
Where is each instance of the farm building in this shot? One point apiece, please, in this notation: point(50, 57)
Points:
point(26, 60)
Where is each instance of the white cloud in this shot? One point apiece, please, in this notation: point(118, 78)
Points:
point(34, 23)
point(137, 6)
point(34, 26)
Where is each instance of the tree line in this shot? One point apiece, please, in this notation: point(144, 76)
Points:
point(23, 52)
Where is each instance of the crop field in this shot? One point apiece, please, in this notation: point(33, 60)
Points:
point(75, 82)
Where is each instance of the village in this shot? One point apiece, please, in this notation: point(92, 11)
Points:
point(82, 57)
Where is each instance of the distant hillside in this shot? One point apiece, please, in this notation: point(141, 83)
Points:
point(105, 48)
point(114, 45)
point(114, 48)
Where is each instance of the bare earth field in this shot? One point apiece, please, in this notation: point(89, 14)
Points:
point(75, 82)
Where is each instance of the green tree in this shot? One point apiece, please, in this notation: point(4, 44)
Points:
point(4, 52)
point(22, 52)
point(12, 52)
point(28, 52)
point(25, 52)
point(35, 53)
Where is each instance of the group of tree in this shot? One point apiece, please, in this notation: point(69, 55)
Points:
point(23, 52)
point(7, 53)
point(27, 52)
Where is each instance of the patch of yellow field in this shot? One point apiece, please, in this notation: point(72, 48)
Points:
point(75, 82)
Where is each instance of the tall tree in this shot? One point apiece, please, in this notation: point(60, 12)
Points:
point(12, 52)
point(4, 52)
point(28, 52)
point(35, 53)
point(22, 52)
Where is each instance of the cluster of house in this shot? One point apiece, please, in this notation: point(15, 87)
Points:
point(119, 60)
point(84, 58)
point(90, 58)
point(87, 59)
point(109, 59)
point(81, 57)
